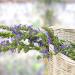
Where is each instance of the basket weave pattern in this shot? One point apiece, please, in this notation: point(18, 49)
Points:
point(60, 65)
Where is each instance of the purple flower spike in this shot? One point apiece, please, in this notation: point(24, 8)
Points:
point(45, 52)
point(19, 34)
point(49, 39)
point(17, 26)
point(29, 26)
point(14, 32)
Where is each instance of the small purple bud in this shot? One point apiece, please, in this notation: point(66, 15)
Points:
point(41, 43)
point(7, 41)
point(63, 46)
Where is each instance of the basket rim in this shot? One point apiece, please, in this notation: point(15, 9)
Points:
point(66, 58)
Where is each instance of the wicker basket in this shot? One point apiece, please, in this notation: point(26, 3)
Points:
point(66, 34)
point(59, 65)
